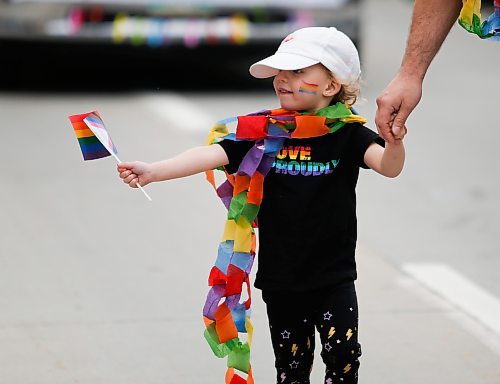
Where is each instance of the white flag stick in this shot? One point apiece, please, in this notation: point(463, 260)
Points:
point(139, 185)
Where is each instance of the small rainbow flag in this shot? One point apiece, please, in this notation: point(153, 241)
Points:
point(308, 88)
point(94, 139)
point(92, 136)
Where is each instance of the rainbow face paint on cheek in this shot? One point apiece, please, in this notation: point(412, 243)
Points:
point(308, 88)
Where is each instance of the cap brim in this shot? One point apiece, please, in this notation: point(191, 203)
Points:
point(270, 66)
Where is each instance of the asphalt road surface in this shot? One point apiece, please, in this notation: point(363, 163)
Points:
point(99, 285)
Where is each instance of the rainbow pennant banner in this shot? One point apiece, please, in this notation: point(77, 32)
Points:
point(94, 139)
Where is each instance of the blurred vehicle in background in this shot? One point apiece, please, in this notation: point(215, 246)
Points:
point(129, 44)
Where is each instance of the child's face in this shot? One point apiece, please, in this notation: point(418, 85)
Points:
point(307, 89)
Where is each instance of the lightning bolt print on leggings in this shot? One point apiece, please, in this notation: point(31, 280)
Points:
point(293, 321)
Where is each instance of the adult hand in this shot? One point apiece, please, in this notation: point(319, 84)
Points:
point(395, 103)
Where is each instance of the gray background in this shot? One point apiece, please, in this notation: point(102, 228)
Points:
point(98, 285)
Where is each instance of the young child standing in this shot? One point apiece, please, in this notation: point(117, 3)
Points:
point(308, 157)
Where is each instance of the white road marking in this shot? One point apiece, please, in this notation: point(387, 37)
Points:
point(179, 112)
point(478, 310)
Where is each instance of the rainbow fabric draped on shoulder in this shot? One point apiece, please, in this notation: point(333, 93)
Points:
point(470, 19)
point(226, 314)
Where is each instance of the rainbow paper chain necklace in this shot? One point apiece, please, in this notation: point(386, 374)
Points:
point(224, 314)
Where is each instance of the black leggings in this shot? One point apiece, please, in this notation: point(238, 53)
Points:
point(292, 320)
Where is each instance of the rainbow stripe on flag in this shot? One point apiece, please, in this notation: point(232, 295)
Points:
point(92, 136)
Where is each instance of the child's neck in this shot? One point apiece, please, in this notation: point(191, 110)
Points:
point(315, 110)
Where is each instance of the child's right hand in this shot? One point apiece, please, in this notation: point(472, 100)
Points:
point(135, 172)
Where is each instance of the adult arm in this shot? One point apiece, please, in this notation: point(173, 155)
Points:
point(431, 23)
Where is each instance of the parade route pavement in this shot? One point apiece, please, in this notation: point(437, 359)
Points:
point(100, 286)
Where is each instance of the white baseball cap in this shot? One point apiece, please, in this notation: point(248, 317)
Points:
point(309, 46)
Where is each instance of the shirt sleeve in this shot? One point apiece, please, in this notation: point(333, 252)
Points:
point(363, 138)
point(235, 151)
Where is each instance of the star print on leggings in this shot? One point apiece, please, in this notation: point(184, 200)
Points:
point(285, 334)
point(294, 364)
point(327, 316)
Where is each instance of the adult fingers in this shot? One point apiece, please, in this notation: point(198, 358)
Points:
point(384, 119)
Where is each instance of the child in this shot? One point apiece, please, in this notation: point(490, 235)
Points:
point(313, 149)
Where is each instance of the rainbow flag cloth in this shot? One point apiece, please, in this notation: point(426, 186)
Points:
point(93, 137)
point(470, 19)
point(226, 313)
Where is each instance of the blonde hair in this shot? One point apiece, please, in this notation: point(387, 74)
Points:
point(348, 93)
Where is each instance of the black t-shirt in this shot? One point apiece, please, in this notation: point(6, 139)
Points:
point(307, 219)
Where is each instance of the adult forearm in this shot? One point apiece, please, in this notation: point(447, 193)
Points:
point(431, 23)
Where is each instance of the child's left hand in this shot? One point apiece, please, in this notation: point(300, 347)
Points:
point(402, 133)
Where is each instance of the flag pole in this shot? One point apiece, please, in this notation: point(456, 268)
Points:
point(139, 185)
